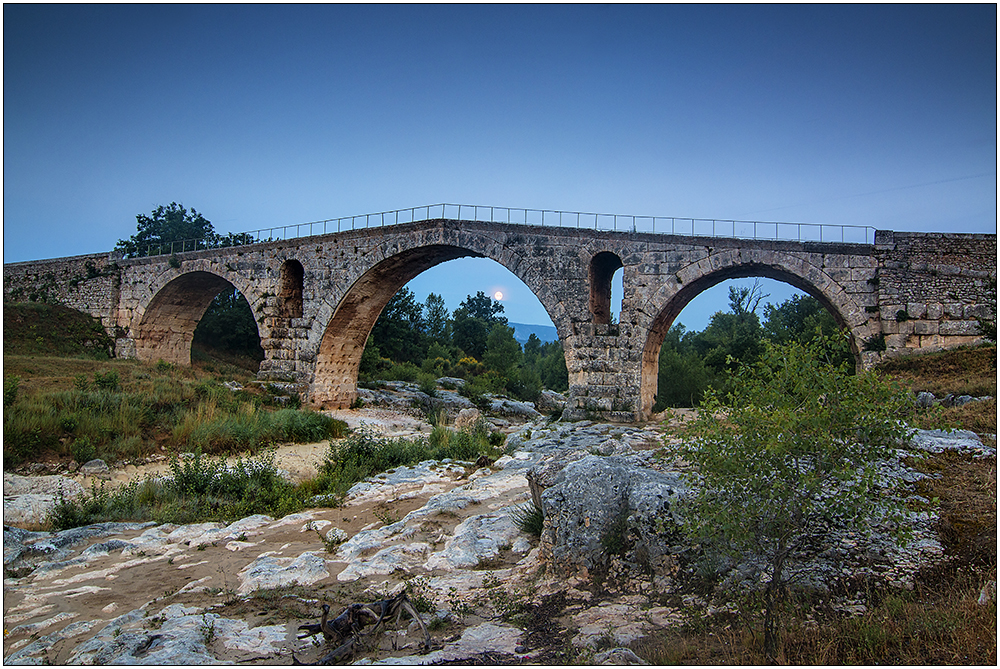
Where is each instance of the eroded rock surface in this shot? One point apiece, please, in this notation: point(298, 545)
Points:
point(211, 593)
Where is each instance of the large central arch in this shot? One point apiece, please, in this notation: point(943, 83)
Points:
point(339, 356)
point(343, 342)
point(698, 277)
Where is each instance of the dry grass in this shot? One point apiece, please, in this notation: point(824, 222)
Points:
point(965, 371)
point(980, 417)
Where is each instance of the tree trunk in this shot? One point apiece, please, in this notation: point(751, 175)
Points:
point(772, 600)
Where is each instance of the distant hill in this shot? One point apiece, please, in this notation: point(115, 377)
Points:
point(522, 331)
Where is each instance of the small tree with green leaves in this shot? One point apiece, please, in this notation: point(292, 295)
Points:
point(793, 449)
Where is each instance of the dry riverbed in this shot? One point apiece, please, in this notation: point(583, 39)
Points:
point(213, 593)
point(209, 593)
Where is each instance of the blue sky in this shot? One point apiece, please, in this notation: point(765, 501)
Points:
point(264, 115)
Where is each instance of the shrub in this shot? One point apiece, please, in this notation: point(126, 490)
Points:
point(10, 386)
point(200, 489)
point(796, 445)
point(402, 371)
point(83, 450)
point(365, 454)
point(107, 380)
point(427, 384)
point(528, 518)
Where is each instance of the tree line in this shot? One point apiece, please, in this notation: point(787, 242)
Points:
point(692, 362)
point(413, 341)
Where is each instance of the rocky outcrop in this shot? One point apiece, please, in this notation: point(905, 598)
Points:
point(610, 503)
point(599, 505)
point(28, 500)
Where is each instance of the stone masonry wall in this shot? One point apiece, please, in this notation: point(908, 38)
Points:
point(88, 283)
point(934, 287)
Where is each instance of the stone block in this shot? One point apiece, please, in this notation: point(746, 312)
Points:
point(916, 309)
point(924, 327)
point(954, 309)
point(975, 311)
point(895, 341)
point(960, 328)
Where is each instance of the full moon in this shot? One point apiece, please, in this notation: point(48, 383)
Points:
point(498, 296)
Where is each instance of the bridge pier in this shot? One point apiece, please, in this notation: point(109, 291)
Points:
point(605, 373)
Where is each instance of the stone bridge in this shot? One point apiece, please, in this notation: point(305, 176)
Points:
point(317, 298)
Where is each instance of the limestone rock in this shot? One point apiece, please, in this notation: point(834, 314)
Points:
point(272, 572)
point(937, 441)
point(95, 467)
point(619, 656)
point(467, 419)
point(483, 638)
point(476, 539)
point(505, 407)
point(27, 500)
point(549, 401)
point(597, 501)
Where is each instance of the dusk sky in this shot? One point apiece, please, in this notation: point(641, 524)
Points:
point(264, 115)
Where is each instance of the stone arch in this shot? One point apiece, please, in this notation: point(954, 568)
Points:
point(602, 269)
point(166, 325)
point(290, 282)
point(346, 333)
point(692, 280)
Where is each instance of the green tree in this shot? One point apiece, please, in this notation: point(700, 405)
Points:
point(436, 319)
point(171, 224)
point(484, 307)
point(794, 448)
point(503, 353)
point(472, 321)
point(532, 349)
point(683, 376)
point(399, 331)
point(552, 367)
point(802, 318)
point(733, 337)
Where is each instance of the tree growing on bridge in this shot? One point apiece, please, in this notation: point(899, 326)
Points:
point(166, 225)
point(228, 324)
point(792, 451)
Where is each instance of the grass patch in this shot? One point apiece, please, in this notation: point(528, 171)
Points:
point(932, 624)
point(200, 489)
point(963, 371)
point(528, 518)
point(126, 409)
point(53, 330)
point(980, 417)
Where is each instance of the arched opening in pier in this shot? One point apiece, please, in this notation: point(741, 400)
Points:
point(290, 283)
point(606, 270)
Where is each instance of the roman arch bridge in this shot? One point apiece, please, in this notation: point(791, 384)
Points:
point(316, 297)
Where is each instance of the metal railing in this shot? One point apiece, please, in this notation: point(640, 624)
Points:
point(666, 225)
